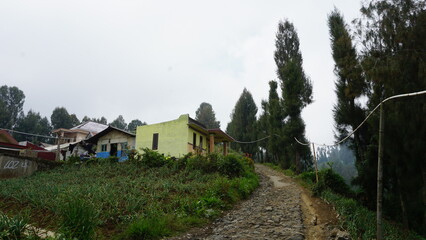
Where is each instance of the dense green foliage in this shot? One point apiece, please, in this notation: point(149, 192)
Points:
point(33, 123)
point(271, 123)
point(60, 118)
point(134, 124)
point(350, 85)
point(119, 123)
point(134, 199)
point(11, 104)
point(243, 123)
point(207, 116)
point(102, 120)
point(281, 117)
point(392, 56)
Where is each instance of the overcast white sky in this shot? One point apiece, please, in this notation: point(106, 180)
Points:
point(156, 60)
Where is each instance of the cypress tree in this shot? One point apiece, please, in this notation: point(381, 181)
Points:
point(350, 86)
point(243, 123)
point(275, 124)
point(296, 94)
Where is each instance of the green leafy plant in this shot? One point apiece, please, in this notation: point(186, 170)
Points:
point(149, 227)
point(12, 228)
point(78, 219)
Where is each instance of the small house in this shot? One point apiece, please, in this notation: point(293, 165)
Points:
point(113, 142)
point(181, 136)
point(80, 132)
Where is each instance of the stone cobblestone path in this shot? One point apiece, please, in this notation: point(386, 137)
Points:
point(274, 211)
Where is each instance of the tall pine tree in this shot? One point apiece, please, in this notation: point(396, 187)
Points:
point(275, 125)
point(243, 123)
point(296, 94)
point(207, 116)
point(350, 86)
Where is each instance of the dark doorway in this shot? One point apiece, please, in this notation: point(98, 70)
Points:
point(113, 151)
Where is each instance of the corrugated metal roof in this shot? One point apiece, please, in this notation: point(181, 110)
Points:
point(92, 127)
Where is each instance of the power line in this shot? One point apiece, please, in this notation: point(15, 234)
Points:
point(31, 134)
point(368, 116)
point(258, 140)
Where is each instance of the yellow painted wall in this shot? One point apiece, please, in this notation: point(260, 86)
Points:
point(172, 136)
point(115, 137)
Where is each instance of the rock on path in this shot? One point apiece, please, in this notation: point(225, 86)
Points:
point(273, 212)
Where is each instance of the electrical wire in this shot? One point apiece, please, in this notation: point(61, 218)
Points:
point(32, 134)
point(252, 141)
point(368, 116)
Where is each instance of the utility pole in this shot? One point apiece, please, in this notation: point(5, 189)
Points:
point(315, 160)
point(58, 152)
point(380, 176)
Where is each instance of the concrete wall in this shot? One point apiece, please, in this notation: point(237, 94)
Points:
point(115, 137)
point(15, 166)
point(172, 136)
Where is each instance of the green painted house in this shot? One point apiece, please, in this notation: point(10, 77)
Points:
point(181, 136)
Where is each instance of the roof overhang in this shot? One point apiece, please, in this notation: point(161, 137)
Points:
point(109, 129)
point(220, 136)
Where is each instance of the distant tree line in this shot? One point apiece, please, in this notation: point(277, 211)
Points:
point(12, 117)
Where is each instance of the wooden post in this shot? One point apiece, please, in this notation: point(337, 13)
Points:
point(315, 160)
point(211, 143)
point(225, 148)
point(58, 151)
point(380, 176)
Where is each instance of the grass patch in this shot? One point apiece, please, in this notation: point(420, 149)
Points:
point(361, 222)
point(109, 200)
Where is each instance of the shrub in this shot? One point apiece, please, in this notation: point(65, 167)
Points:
point(328, 179)
point(308, 177)
point(152, 159)
point(231, 166)
point(78, 219)
point(207, 164)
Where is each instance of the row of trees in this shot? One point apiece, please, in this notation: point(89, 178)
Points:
point(12, 116)
point(391, 61)
point(281, 119)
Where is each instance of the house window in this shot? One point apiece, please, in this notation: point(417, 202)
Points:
point(103, 148)
point(194, 140)
point(201, 142)
point(155, 141)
